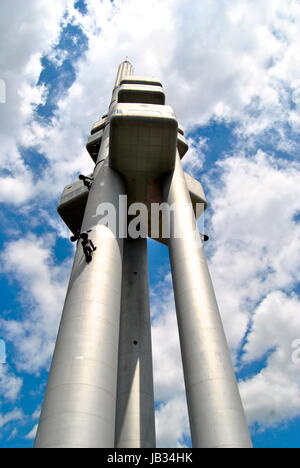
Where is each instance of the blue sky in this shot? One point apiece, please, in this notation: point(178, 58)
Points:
point(239, 101)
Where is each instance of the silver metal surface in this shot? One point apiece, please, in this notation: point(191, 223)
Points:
point(72, 205)
point(80, 402)
point(79, 408)
point(180, 129)
point(215, 410)
point(143, 140)
point(99, 125)
point(197, 195)
point(100, 388)
point(182, 145)
point(147, 94)
point(125, 69)
point(93, 144)
point(142, 80)
point(135, 424)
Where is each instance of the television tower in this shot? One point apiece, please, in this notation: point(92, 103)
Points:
point(100, 387)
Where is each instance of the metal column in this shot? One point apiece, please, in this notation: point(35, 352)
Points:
point(79, 407)
point(215, 410)
point(80, 402)
point(135, 422)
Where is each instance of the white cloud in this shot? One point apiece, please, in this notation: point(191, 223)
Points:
point(194, 159)
point(273, 395)
point(36, 413)
point(10, 384)
point(171, 416)
point(172, 423)
point(166, 355)
point(254, 258)
point(240, 66)
point(13, 434)
point(28, 30)
point(15, 415)
point(18, 187)
point(32, 434)
point(255, 235)
point(276, 323)
point(30, 262)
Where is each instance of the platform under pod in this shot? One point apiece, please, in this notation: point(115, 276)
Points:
point(73, 202)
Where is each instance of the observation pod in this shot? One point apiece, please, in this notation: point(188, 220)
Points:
point(142, 94)
point(143, 139)
point(140, 80)
point(93, 144)
point(99, 125)
point(72, 205)
point(182, 145)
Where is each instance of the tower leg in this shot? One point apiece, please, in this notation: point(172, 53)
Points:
point(135, 425)
point(215, 410)
point(80, 402)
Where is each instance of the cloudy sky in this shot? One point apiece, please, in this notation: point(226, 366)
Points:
point(231, 70)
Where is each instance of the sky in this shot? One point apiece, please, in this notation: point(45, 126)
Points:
point(231, 71)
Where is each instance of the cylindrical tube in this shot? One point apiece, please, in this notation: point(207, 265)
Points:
point(79, 407)
point(80, 402)
point(125, 69)
point(215, 410)
point(135, 422)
